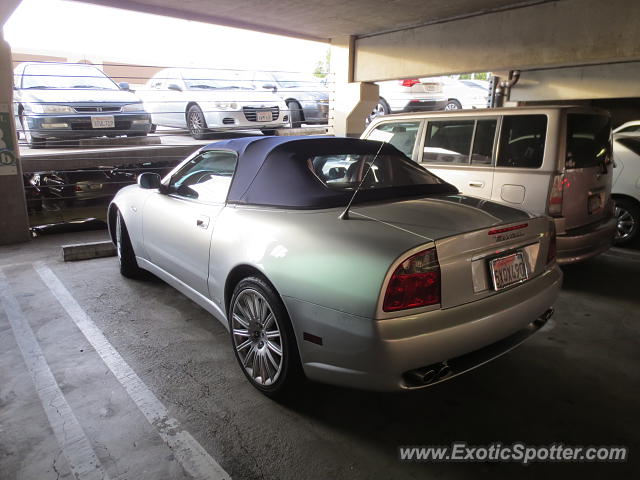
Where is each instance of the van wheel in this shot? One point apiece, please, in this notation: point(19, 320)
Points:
point(263, 339)
point(628, 216)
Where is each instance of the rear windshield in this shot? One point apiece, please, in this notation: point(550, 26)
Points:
point(588, 140)
point(346, 171)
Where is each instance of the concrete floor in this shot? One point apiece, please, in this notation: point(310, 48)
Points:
point(575, 382)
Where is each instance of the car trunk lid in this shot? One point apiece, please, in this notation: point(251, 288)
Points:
point(468, 234)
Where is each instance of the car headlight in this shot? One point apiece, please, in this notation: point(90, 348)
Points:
point(226, 105)
point(133, 107)
point(40, 108)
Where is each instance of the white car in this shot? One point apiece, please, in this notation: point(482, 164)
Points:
point(410, 95)
point(203, 100)
point(626, 186)
point(462, 95)
point(628, 127)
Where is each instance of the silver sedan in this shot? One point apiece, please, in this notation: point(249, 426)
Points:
point(339, 260)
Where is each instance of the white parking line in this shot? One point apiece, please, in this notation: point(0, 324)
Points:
point(188, 452)
point(75, 445)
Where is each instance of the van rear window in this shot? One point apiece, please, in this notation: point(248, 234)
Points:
point(588, 140)
point(522, 141)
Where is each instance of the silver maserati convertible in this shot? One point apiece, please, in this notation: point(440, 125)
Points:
point(339, 260)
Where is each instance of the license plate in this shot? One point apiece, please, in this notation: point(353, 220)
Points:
point(103, 121)
point(263, 116)
point(595, 203)
point(508, 270)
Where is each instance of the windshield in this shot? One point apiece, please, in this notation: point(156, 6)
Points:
point(200, 79)
point(65, 77)
point(588, 140)
point(346, 171)
point(297, 79)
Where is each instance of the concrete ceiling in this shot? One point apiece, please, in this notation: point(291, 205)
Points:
point(320, 20)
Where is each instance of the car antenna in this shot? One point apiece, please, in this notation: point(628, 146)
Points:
point(345, 214)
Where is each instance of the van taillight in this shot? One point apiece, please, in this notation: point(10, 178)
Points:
point(552, 250)
point(556, 196)
point(415, 283)
point(409, 83)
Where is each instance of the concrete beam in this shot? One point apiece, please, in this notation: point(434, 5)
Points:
point(560, 33)
point(619, 80)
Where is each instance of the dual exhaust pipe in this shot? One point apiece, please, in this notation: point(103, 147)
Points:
point(431, 374)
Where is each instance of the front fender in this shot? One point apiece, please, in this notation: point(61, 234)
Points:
point(129, 201)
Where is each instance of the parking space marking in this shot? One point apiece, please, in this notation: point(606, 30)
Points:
point(75, 445)
point(188, 452)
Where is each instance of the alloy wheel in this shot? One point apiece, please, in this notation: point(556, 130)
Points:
point(195, 122)
point(626, 223)
point(256, 337)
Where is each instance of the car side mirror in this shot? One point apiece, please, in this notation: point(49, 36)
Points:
point(149, 180)
point(174, 86)
point(124, 86)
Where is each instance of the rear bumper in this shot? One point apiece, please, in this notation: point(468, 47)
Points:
point(382, 354)
point(424, 105)
point(583, 243)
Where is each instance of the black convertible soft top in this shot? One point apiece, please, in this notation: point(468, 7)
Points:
point(273, 171)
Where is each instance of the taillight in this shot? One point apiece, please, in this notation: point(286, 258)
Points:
point(557, 194)
point(552, 250)
point(415, 283)
point(410, 82)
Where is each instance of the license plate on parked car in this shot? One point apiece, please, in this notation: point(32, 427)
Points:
point(508, 270)
point(263, 116)
point(103, 121)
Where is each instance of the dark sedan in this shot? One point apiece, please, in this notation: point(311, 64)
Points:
point(71, 101)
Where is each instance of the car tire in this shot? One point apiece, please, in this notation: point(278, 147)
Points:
point(268, 131)
point(32, 142)
point(295, 114)
point(196, 122)
point(627, 213)
point(126, 257)
point(382, 108)
point(262, 338)
point(453, 104)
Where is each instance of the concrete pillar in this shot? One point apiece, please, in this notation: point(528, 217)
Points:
point(352, 101)
point(14, 223)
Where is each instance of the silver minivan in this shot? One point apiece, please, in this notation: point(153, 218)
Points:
point(554, 160)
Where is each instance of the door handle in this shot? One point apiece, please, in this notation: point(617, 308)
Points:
point(476, 184)
point(203, 222)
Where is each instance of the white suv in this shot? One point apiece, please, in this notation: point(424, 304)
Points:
point(411, 95)
point(626, 186)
